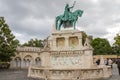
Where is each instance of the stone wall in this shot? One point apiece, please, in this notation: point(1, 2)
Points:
point(26, 56)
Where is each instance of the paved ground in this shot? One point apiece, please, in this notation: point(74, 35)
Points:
point(13, 74)
point(115, 75)
point(22, 74)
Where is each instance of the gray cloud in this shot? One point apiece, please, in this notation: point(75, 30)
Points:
point(35, 18)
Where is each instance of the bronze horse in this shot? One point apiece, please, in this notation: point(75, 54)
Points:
point(73, 17)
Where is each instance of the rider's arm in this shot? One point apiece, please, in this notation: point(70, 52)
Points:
point(72, 6)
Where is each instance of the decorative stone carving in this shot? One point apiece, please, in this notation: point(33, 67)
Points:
point(60, 42)
point(73, 42)
point(66, 61)
point(87, 43)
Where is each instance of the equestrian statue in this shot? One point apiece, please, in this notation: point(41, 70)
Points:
point(69, 18)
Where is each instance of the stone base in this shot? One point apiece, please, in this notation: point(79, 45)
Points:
point(67, 74)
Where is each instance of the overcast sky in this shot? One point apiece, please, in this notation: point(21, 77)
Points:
point(35, 18)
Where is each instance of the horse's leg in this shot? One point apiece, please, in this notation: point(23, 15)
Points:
point(57, 23)
point(74, 24)
point(58, 26)
point(60, 23)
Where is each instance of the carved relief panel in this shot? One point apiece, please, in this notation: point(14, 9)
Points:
point(60, 42)
point(66, 60)
point(73, 42)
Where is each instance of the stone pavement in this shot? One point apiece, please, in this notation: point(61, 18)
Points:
point(115, 73)
point(13, 74)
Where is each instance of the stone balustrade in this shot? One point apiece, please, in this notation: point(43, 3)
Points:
point(29, 49)
point(67, 52)
point(66, 74)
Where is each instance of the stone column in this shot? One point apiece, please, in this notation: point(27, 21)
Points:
point(50, 44)
point(22, 62)
point(54, 43)
point(80, 41)
point(67, 42)
point(32, 62)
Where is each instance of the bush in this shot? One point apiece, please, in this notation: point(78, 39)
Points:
point(4, 65)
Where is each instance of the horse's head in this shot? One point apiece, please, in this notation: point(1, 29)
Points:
point(78, 13)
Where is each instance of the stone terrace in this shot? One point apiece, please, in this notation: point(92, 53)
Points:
point(15, 74)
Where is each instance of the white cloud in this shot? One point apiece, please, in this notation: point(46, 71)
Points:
point(37, 23)
point(95, 1)
point(20, 36)
point(112, 32)
point(35, 18)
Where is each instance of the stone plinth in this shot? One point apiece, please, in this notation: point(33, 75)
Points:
point(66, 40)
point(66, 73)
point(68, 59)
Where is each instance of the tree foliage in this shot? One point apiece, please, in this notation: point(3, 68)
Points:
point(116, 44)
point(84, 35)
point(8, 43)
point(34, 43)
point(101, 46)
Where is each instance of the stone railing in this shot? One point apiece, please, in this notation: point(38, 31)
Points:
point(65, 74)
point(29, 49)
point(66, 53)
point(107, 71)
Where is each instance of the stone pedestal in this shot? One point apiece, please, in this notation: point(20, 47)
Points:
point(68, 59)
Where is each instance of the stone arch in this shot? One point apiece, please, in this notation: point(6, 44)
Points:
point(17, 62)
point(27, 60)
point(38, 61)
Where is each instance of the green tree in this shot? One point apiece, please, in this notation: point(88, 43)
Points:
point(116, 44)
point(101, 46)
point(8, 43)
point(84, 35)
point(34, 43)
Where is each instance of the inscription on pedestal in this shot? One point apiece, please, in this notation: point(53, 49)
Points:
point(66, 61)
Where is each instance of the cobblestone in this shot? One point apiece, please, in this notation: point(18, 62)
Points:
point(15, 74)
